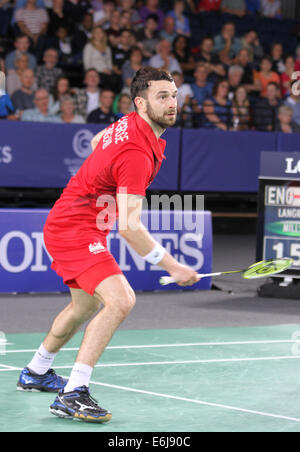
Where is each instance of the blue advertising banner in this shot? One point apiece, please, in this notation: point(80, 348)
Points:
point(223, 161)
point(281, 165)
point(25, 262)
point(47, 155)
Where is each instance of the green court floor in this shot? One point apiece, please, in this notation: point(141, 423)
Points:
point(186, 380)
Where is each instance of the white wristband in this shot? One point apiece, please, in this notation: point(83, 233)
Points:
point(156, 255)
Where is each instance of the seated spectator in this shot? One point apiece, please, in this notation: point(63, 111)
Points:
point(22, 45)
point(243, 61)
point(218, 109)
point(206, 55)
point(235, 75)
point(125, 21)
point(41, 112)
point(163, 58)
point(183, 55)
point(227, 45)
point(251, 42)
point(67, 108)
point(13, 78)
point(82, 34)
point(128, 6)
point(286, 76)
point(103, 114)
point(121, 52)
point(265, 110)
point(297, 60)
point(184, 100)
point(131, 66)
point(32, 21)
point(182, 23)
point(6, 108)
point(58, 17)
point(285, 121)
point(102, 17)
point(148, 37)
point(114, 25)
point(124, 105)
point(253, 6)
point(63, 43)
point(277, 57)
point(87, 99)
point(97, 54)
point(47, 74)
point(201, 88)
point(241, 109)
point(152, 7)
point(23, 98)
point(168, 32)
point(265, 75)
point(271, 8)
point(61, 89)
point(235, 7)
point(208, 6)
point(293, 101)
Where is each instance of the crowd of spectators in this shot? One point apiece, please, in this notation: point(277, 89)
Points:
point(72, 61)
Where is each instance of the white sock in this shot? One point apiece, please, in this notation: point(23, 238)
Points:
point(42, 361)
point(80, 376)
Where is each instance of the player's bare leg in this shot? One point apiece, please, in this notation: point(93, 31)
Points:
point(118, 299)
point(82, 307)
point(38, 375)
point(75, 401)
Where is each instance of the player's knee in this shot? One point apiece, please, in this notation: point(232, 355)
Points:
point(123, 303)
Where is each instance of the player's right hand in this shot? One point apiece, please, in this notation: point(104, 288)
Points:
point(184, 275)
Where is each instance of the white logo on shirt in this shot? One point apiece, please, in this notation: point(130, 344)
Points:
point(96, 248)
point(121, 130)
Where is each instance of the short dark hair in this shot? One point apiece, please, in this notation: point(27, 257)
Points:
point(147, 74)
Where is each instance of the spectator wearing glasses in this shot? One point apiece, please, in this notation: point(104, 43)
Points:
point(41, 112)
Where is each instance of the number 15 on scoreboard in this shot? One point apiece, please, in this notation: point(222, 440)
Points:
point(274, 248)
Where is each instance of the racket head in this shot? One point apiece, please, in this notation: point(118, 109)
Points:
point(268, 267)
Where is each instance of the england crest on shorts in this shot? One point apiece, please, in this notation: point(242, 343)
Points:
point(96, 248)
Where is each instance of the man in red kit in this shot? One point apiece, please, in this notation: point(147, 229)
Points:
point(111, 183)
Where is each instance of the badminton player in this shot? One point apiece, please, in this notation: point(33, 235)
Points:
point(111, 183)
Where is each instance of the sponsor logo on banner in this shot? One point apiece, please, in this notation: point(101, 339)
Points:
point(25, 264)
point(81, 145)
point(292, 166)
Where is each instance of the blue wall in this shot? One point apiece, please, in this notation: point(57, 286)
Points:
point(47, 155)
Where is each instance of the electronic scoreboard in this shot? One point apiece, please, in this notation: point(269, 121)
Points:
point(278, 233)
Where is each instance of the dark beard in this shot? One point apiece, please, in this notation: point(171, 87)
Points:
point(160, 121)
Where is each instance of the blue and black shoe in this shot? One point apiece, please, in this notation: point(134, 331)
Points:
point(79, 405)
point(49, 382)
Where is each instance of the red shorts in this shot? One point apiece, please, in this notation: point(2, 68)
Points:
point(83, 266)
point(92, 277)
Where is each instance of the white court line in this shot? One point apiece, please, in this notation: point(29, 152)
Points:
point(4, 368)
point(161, 363)
point(198, 402)
point(191, 344)
point(198, 361)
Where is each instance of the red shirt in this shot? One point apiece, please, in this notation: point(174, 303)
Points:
point(127, 158)
point(209, 5)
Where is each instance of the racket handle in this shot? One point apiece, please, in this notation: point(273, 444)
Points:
point(166, 280)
